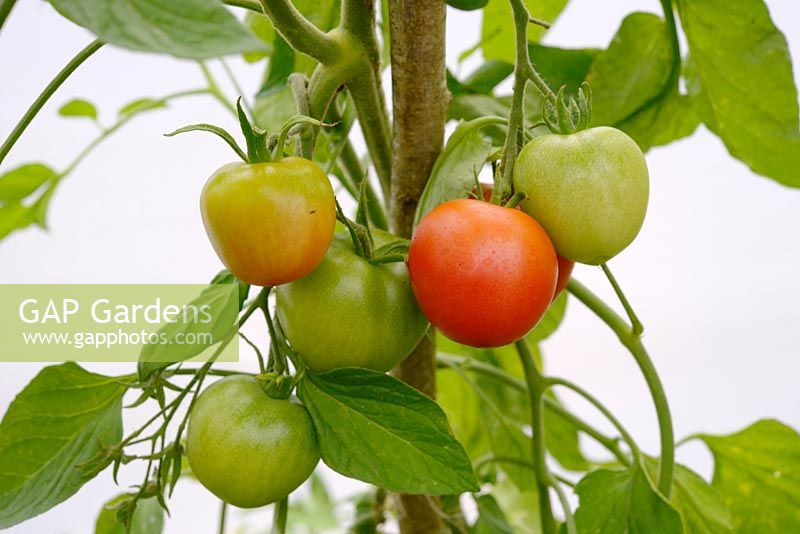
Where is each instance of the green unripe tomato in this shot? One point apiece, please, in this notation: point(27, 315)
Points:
point(247, 448)
point(467, 5)
point(589, 190)
point(350, 313)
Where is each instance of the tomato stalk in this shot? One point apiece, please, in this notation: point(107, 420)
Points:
point(279, 516)
point(523, 71)
point(506, 379)
point(633, 343)
point(5, 8)
point(536, 386)
point(46, 93)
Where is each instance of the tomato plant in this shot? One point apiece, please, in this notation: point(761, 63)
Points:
point(467, 434)
point(246, 447)
point(483, 274)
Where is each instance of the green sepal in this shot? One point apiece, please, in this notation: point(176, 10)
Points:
point(255, 137)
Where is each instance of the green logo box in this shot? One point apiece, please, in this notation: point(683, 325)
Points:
point(156, 323)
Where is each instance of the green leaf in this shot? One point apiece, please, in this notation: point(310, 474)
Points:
point(491, 519)
point(148, 517)
point(757, 474)
point(15, 216)
point(701, 508)
point(464, 412)
point(453, 174)
point(668, 119)
point(634, 69)
point(521, 508)
point(486, 77)
point(260, 25)
point(52, 436)
point(562, 440)
point(221, 302)
point(376, 428)
point(193, 29)
point(140, 105)
point(315, 510)
point(744, 85)
point(497, 32)
point(623, 501)
point(562, 66)
point(21, 181)
point(551, 320)
point(78, 108)
point(274, 108)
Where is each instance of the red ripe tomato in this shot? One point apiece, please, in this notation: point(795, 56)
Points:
point(565, 266)
point(564, 272)
point(483, 274)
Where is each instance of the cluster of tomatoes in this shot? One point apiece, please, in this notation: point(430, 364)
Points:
point(482, 273)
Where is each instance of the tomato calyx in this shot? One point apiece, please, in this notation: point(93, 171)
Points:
point(276, 385)
point(567, 113)
point(261, 147)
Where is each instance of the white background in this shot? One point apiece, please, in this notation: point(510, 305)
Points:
point(713, 275)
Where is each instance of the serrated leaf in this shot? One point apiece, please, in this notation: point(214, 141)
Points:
point(194, 29)
point(701, 508)
point(746, 92)
point(50, 435)
point(757, 474)
point(375, 428)
point(78, 108)
point(613, 502)
point(21, 181)
point(148, 517)
point(453, 174)
point(634, 69)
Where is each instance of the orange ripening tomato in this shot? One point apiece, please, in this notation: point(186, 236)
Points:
point(483, 274)
point(270, 223)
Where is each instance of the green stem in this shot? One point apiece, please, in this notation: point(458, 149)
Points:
point(568, 517)
point(536, 389)
point(634, 345)
point(251, 5)
point(214, 90)
point(300, 33)
point(5, 9)
point(279, 517)
point(45, 95)
point(636, 324)
point(490, 371)
point(600, 407)
point(523, 71)
point(236, 85)
point(365, 90)
point(669, 17)
point(223, 516)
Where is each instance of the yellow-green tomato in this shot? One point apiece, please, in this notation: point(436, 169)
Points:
point(589, 191)
point(270, 223)
point(350, 313)
point(247, 448)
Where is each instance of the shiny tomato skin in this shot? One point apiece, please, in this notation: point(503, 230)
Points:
point(565, 266)
point(351, 313)
point(483, 274)
point(247, 448)
point(270, 223)
point(589, 190)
